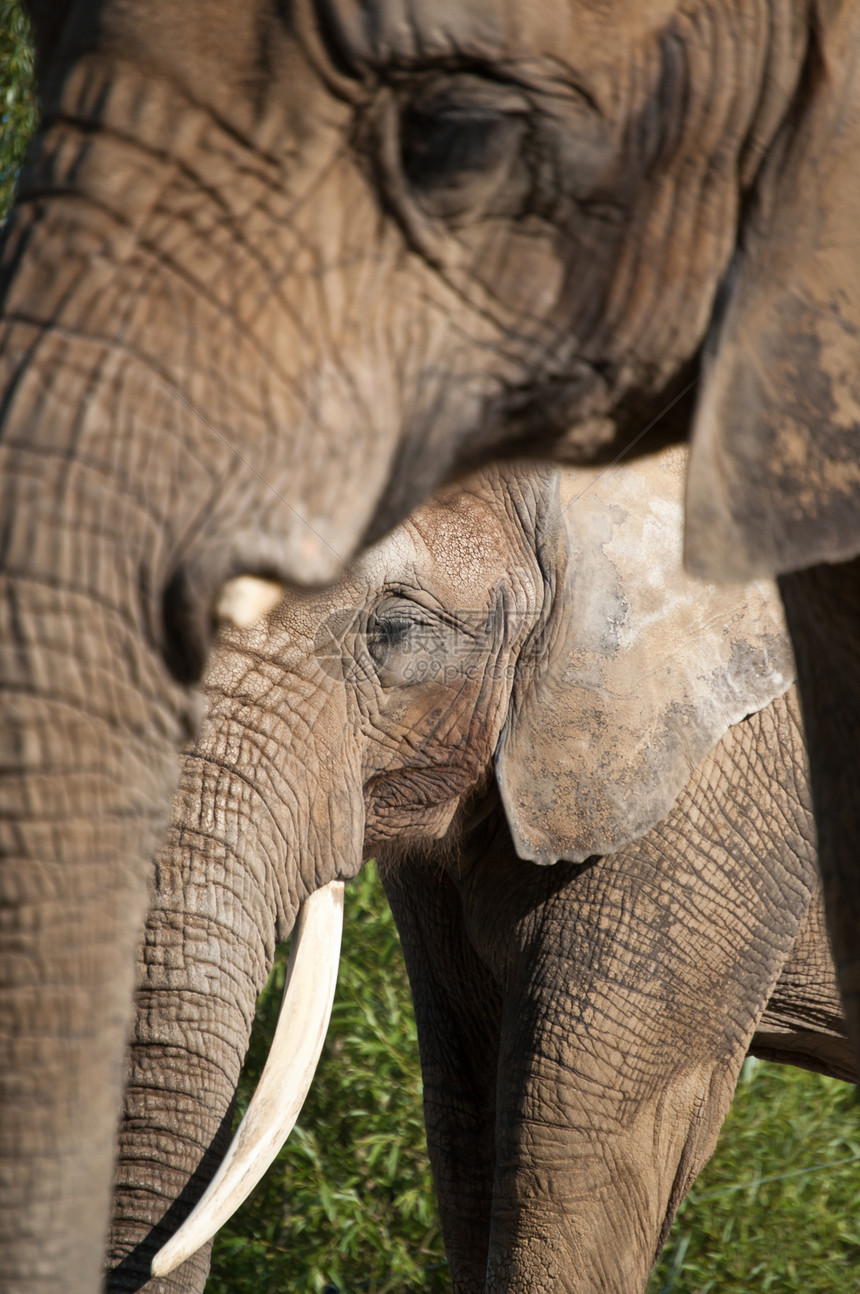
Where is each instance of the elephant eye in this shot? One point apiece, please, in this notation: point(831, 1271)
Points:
point(438, 148)
point(463, 146)
point(384, 633)
point(407, 642)
point(460, 143)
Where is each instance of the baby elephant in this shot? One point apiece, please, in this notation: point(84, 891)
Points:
point(520, 674)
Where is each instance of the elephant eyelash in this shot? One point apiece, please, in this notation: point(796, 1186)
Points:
point(383, 635)
point(449, 140)
point(390, 631)
point(456, 141)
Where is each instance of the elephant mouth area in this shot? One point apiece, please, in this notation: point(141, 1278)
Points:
point(414, 801)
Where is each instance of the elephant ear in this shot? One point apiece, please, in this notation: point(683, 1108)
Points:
point(637, 673)
point(775, 468)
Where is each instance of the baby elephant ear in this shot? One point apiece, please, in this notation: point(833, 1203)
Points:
point(775, 470)
point(637, 674)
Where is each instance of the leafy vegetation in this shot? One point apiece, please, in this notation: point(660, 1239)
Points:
point(18, 112)
point(349, 1204)
point(740, 1230)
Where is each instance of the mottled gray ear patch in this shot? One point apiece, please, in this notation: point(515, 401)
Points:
point(774, 474)
point(646, 670)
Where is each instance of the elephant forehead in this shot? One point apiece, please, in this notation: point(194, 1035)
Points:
point(455, 547)
point(662, 473)
point(465, 544)
point(592, 27)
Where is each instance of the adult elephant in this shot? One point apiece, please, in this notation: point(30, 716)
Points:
point(521, 671)
point(274, 273)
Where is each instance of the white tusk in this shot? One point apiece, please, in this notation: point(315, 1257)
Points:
point(286, 1078)
point(246, 599)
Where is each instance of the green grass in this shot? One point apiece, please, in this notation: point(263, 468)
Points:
point(349, 1203)
point(17, 98)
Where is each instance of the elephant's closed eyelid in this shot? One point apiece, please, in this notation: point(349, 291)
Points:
point(409, 600)
point(390, 624)
point(389, 630)
point(449, 139)
point(396, 626)
point(423, 621)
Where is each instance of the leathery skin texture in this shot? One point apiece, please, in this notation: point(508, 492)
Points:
point(275, 272)
point(582, 1024)
point(582, 1027)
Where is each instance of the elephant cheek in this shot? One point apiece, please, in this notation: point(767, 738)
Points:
point(393, 814)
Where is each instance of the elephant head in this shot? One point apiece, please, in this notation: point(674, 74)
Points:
point(274, 273)
point(532, 632)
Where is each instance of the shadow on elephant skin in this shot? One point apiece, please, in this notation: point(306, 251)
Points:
point(133, 1271)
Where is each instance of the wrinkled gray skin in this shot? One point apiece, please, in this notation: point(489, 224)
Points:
point(582, 1029)
point(523, 661)
point(286, 261)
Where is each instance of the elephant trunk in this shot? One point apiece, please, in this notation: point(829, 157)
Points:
point(87, 763)
point(207, 950)
point(250, 842)
point(121, 512)
point(92, 716)
point(286, 1078)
